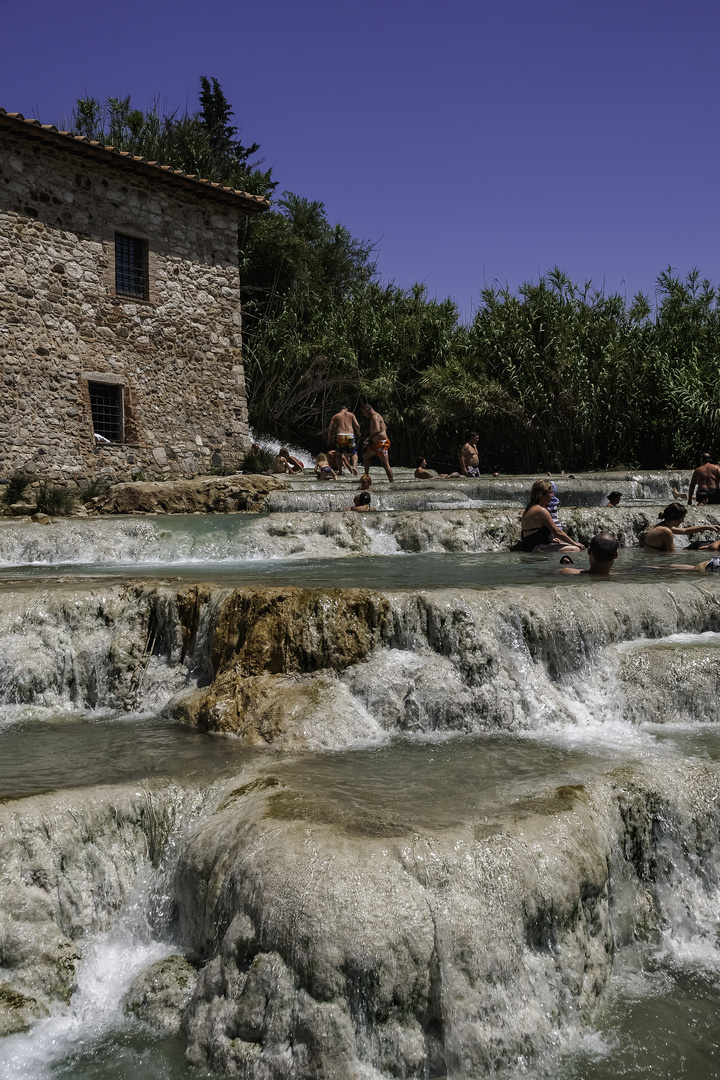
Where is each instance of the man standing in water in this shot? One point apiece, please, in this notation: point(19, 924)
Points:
point(469, 458)
point(343, 433)
point(706, 478)
point(378, 442)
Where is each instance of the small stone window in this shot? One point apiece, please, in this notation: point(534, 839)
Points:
point(131, 267)
point(106, 402)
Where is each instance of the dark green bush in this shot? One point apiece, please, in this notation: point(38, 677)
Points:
point(17, 487)
point(90, 489)
point(259, 460)
point(56, 501)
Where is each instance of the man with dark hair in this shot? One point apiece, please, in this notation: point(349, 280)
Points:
point(602, 553)
point(614, 498)
point(469, 457)
point(343, 433)
point(707, 479)
point(378, 442)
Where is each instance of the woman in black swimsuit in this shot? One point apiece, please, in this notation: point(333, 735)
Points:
point(660, 536)
point(539, 531)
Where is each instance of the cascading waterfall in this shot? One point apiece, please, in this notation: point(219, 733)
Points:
point(444, 814)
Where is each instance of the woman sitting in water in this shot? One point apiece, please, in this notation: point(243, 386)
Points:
point(660, 536)
point(539, 531)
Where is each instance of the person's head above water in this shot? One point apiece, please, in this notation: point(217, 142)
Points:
point(673, 512)
point(366, 481)
point(602, 553)
point(420, 463)
point(362, 498)
point(539, 490)
point(603, 548)
point(614, 497)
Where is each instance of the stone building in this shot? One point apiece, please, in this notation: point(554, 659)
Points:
point(120, 348)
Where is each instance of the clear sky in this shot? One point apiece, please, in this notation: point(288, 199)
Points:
point(472, 141)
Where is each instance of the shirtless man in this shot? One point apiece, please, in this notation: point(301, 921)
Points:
point(469, 458)
point(343, 435)
point(378, 442)
point(602, 553)
point(706, 478)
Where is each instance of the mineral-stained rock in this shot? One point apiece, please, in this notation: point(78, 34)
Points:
point(17, 1011)
point(291, 711)
point(201, 495)
point(344, 944)
point(67, 863)
point(285, 630)
point(160, 995)
point(275, 653)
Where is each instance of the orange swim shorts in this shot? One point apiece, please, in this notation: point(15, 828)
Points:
point(381, 447)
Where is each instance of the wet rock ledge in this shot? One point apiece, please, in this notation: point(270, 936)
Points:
point(223, 494)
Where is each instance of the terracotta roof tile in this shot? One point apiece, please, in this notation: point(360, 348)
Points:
point(252, 203)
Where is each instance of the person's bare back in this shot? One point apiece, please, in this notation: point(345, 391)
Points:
point(344, 436)
point(706, 478)
point(378, 442)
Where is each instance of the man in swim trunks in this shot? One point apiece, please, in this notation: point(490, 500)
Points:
point(706, 478)
point(469, 457)
point(343, 434)
point(378, 442)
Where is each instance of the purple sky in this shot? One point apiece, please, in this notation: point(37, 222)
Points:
point(472, 141)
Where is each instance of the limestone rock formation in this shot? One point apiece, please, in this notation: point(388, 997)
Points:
point(202, 495)
point(342, 943)
point(160, 995)
point(275, 653)
point(17, 1011)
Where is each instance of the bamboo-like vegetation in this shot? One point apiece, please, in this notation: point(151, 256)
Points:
point(553, 376)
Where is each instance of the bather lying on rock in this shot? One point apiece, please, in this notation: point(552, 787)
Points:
point(709, 566)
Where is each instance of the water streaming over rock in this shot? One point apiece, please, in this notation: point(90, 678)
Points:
point(467, 811)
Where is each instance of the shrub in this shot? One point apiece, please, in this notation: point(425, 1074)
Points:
point(259, 460)
point(54, 500)
point(90, 489)
point(17, 487)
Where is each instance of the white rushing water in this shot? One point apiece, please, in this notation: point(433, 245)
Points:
point(505, 794)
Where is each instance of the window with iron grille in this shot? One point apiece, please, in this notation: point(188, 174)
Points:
point(107, 410)
point(131, 267)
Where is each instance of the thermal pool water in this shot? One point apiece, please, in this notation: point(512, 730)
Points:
point(288, 795)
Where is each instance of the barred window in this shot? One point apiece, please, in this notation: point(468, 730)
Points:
point(131, 267)
point(107, 410)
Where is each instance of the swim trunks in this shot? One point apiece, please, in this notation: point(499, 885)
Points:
point(473, 470)
point(345, 442)
point(713, 565)
point(712, 494)
point(381, 447)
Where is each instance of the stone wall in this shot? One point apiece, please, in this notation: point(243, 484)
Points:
point(176, 356)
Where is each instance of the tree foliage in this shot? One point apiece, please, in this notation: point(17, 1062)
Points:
point(203, 143)
point(553, 375)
